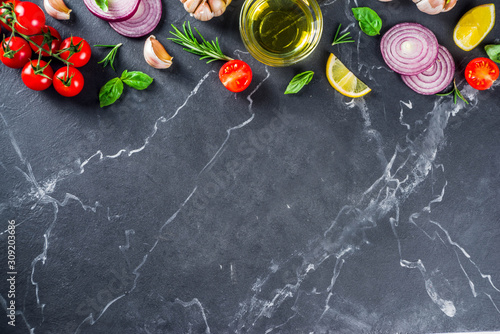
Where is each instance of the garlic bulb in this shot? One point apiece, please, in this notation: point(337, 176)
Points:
point(57, 9)
point(433, 7)
point(155, 54)
point(204, 10)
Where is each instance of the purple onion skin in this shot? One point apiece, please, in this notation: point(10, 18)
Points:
point(417, 36)
point(143, 22)
point(436, 78)
point(112, 16)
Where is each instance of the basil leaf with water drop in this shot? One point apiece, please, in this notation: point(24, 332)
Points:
point(368, 19)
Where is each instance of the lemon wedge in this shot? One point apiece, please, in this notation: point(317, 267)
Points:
point(473, 27)
point(343, 80)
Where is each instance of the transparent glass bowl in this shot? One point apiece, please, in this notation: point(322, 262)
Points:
point(263, 55)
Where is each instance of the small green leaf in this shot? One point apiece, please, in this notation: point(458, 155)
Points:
point(103, 4)
point(369, 21)
point(110, 92)
point(136, 79)
point(493, 52)
point(299, 81)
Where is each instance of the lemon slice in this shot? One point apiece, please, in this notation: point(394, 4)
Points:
point(343, 80)
point(473, 27)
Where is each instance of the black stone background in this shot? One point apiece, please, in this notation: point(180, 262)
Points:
point(238, 213)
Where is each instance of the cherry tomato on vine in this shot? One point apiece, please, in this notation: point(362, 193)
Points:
point(15, 52)
point(30, 18)
point(48, 36)
point(235, 75)
point(68, 81)
point(480, 73)
point(37, 75)
point(77, 51)
point(2, 11)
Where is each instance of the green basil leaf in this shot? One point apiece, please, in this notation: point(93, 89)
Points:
point(369, 21)
point(136, 79)
point(103, 4)
point(110, 92)
point(299, 81)
point(493, 52)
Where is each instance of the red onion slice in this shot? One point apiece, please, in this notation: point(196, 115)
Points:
point(118, 10)
point(409, 48)
point(145, 20)
point(434, 79)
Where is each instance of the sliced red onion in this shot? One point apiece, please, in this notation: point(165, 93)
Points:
point(434, 79)
point(118, 10)
point(145, 20)
point(409, 48)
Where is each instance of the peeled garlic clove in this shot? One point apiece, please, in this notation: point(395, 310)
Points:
point(57, 9)
point(155, 54)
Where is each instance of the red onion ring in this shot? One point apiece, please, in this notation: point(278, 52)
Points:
point(409, 48)
point(118, 10)
point(145, 20)
point(434, 79)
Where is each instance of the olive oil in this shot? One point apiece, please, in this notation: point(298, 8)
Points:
point(280, 27)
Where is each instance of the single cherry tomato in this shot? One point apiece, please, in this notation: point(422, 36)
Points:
point(76, 50)
point(30, 18)
point(235, 75)
point(15, 52)
point(48, 36)
point(480, 73)
point(37, 75)
point(68, 81)
point(3, 10)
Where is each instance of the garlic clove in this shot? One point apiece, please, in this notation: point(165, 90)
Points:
point(155, 54)
point(218, 7)
point(57, 9)
point(431, 7)
point(203, 12)
point(449, 5)
point(191, 5)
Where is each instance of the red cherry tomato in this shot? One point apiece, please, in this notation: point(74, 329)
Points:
point(30, 18)
point(15, 52)
point(32, 75)
point(480, 73)
point(48, 36)
point(235, 75)
point(68, 81)
point(77, 51)
point(2, 11)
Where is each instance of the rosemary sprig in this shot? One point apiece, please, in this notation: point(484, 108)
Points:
point(207, 50)
point(345, 38)
point(456, 93)
point(110, 58)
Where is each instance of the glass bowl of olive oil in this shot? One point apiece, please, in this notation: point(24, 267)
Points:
point(280, 32)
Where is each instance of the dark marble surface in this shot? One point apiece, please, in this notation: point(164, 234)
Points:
point(185, 208)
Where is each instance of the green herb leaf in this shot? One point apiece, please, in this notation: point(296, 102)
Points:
point(136, 79)
point(456, 94)
point(345, 38)
point(299, 81)
point(206, 50)
point(493, 52)
point(103, 4)
point(110, 58)
point(369, 21)
point(110, 92)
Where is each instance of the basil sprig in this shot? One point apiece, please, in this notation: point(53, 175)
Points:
point(299, 81)
point(103, 4)
point(113, 89)
point(493, 51)
point(368, 19)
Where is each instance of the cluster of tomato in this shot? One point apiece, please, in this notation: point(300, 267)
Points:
point(28, 34)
